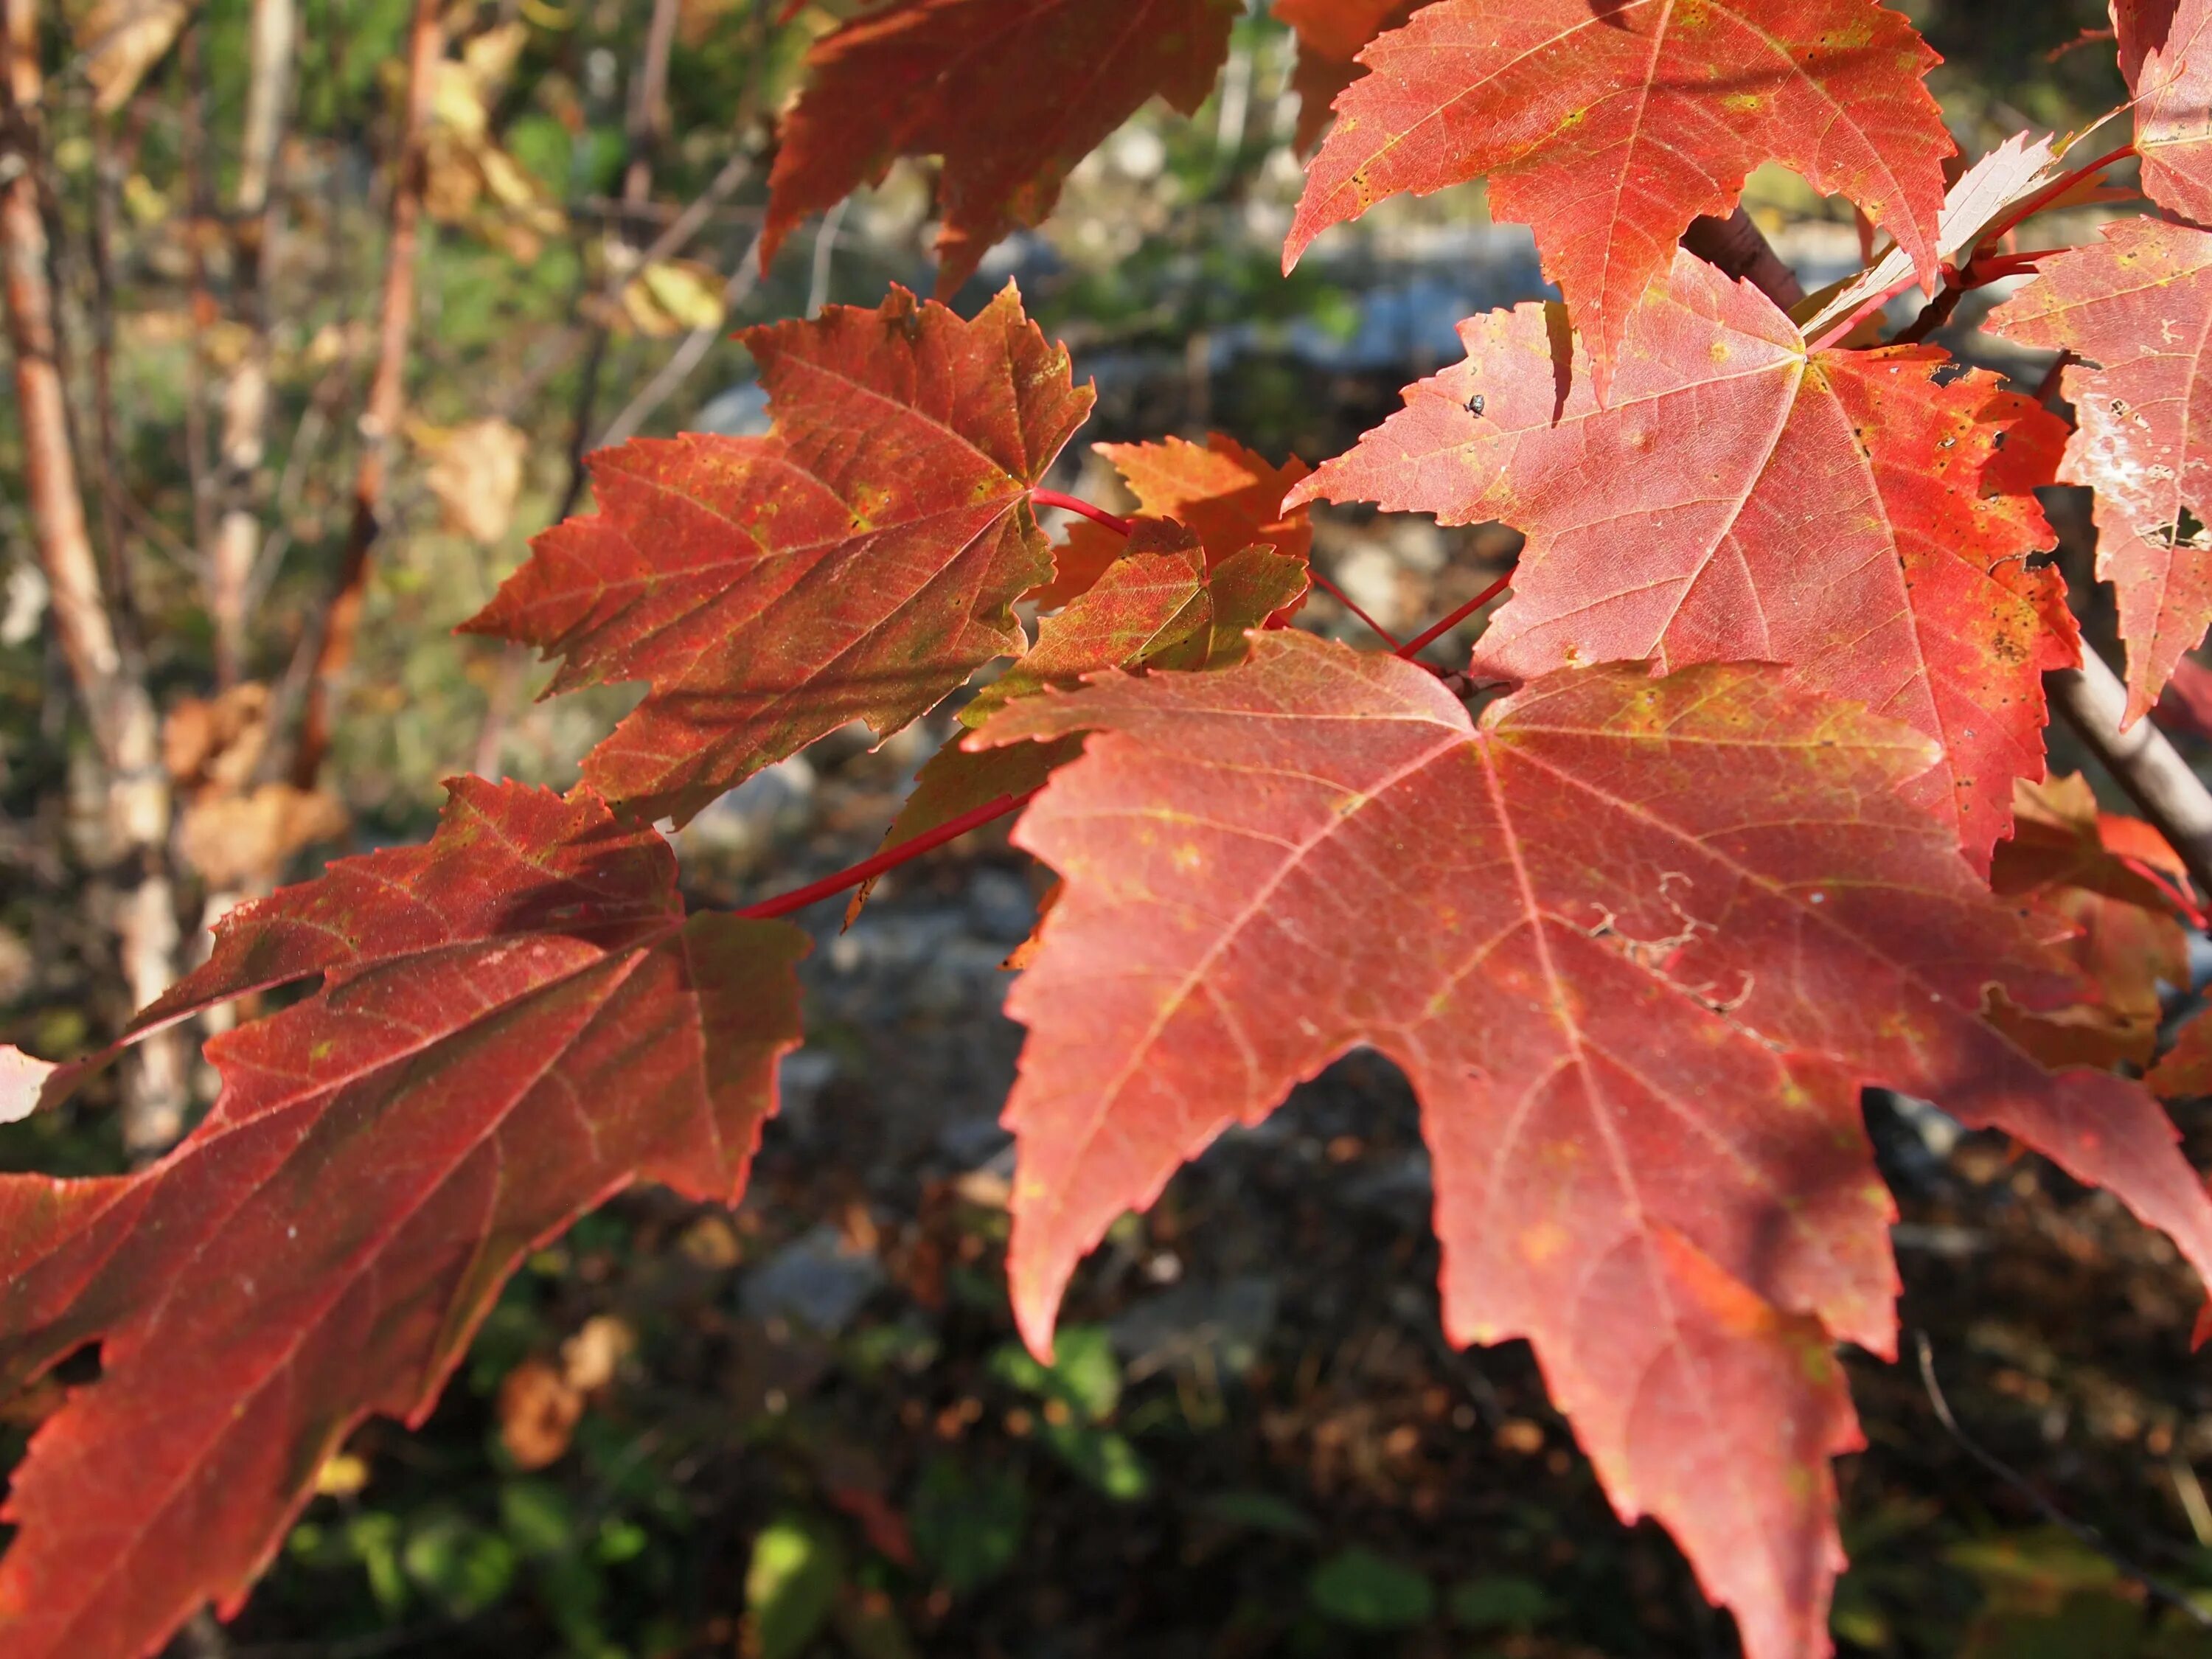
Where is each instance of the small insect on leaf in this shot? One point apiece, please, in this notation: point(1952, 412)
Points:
point(1476, 403)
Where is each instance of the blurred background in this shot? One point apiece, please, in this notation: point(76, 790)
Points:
point(806, 1428)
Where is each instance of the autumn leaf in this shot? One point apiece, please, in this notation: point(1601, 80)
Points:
point(1231, 498)
point(514, 1022)
point(2133, 305)
point(121, 39)
point(1984, 195)
point(2185, 705)
point(2166, 54)
point(1849, 514)
point(858, 563)
point(1011, 93)
point(2071, 863)
point(1609, 128)
point(1330, 34)
point(1622, 936)
point(1158, 606)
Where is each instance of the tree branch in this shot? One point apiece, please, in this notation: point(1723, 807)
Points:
point(2092, 700)
point(379, 421)
point(243, 441)
point(1740, 249)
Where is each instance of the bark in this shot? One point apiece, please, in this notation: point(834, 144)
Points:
point(379, 421)
point(239, 478)
point(106, 673)
point(1738, 247)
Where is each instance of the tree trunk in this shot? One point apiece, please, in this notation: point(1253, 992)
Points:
point(240, 478)
point(107, 674)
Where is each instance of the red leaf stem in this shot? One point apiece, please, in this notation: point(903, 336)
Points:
point(1114, 522)
point(2170, 890)
point(1345, 600)
point(1436, 630)
point(2057, 188)
point(890, 858)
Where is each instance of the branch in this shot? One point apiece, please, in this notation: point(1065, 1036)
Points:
point(244, 442)
point(1740, 249)
point(386, 396)
point(2092, 700)
point(2156, 1588)
point(108, 675)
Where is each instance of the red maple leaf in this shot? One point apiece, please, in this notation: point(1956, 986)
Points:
point(2133, 305)
point(514, 1022)
point(2185, 705)
point(1608, 128)
point(1848, 513)
point(2080, 868)
point(1622, 936)
point(1157, 605)
point(1012, 93)
point(1229, 496)
point(857, 564)
point(2166, 54)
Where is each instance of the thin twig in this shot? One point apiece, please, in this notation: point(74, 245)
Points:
point(386, 398)
point(2157, 1588)
point(686, 357)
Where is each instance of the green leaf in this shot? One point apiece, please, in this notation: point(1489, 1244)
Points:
point(535, 1516)
point(1103, 1457)
point(1259, 1511)
point(968, 1528)
point(463, 1566)
point(1084, 1376)
point(790, 1586)
point(1499, 1603)
point(1368, 1591)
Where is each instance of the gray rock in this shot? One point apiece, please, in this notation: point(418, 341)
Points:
point(818, 1281)
point(1217, 1327)
point(1000, 905)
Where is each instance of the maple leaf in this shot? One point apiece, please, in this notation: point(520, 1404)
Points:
point(2186, 704)
point(515, 1021)
point(2071, 863)
point(2166, 55)
point(2135, 306)
point(858, 564)
point(1621, 937)
point(1984, 195)
point(1330, 34)
point(1012, 93)
point(1229, 496)
point(1848, 513)
point(1608, 128)
point(1156, 606)
point(2184, 1073)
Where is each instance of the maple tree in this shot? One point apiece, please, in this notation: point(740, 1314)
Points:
point(1737, 807)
